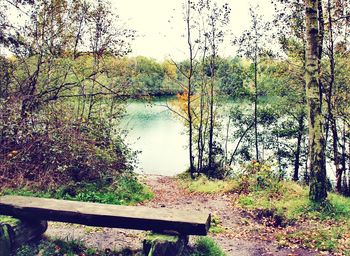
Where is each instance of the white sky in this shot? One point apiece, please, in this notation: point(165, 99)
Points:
point(160, 39)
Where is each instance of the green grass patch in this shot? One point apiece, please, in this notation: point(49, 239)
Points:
point(204, 185)
point(65, 247)
point(292, 201)
point(208, 247)
point(215, 225)
point(125, 190)
point(325, 226)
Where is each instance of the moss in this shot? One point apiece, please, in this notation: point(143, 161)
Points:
point(161, 237)
point(9, 220)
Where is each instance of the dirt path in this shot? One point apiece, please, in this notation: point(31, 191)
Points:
point(242, 236)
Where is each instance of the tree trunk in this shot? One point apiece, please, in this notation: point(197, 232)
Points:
point(331, 119)
point(256, 104)
point(298, 150)
point(318, 176)
point(189, 92)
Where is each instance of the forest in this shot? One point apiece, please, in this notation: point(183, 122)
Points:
point(266, 129)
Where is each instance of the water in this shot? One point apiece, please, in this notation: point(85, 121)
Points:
point(159, 135)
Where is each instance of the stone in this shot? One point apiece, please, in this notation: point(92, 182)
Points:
point(164, 244)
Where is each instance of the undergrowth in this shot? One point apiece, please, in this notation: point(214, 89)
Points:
point(123, 190)
point(204, 185)
point(67, 247)
point(258, 190)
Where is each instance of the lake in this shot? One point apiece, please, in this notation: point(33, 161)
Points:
point(158, 134)
point(160, 137)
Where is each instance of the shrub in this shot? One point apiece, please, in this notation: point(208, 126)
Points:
point(51, 147)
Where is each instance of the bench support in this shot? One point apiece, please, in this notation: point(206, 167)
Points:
point(12, 237)
point(164, 244)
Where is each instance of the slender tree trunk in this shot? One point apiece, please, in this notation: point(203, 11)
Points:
point(211, 126)
point(256, 104)
point(318, 176)
point(189, 87)
point(331, 119)
point(211, 102)
point(301, 127)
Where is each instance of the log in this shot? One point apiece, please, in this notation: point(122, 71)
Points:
point(12, 237)
point(158, 220)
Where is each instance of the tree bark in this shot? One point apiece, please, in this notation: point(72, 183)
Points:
point(301, 127)
point(189, 92)
point(318, 176)
point(331, 119)
point(256, 102)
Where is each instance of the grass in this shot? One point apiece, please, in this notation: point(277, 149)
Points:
point(215, 225)
point(325, 227)
point(203, 185)
point(66, 247)
point(293, 203)
point(125, 190)
point(205, 246)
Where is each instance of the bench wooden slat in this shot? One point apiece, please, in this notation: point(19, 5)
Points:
point(104, 215)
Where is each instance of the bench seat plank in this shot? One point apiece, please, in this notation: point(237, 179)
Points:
point(104, 215)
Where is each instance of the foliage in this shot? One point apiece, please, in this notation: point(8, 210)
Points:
point(123, 190)
point(52, 148)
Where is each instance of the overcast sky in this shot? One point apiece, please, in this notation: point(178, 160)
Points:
point(160, 39)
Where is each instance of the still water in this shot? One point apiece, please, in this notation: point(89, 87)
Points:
point(158, 134)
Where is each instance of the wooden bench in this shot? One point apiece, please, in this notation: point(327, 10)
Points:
point(158, 220)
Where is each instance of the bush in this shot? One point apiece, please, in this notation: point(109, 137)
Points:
point(257, 176)
point(51, 147)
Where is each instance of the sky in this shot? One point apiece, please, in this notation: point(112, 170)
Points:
point(160, 39)
point(160, 27)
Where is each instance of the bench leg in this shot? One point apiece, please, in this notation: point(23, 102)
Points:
point(12, 237)
point(5, 240)
point(164, 245)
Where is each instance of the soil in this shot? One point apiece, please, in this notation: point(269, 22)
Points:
point(242, 234)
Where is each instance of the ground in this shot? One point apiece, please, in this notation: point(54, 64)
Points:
point(240, 234)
